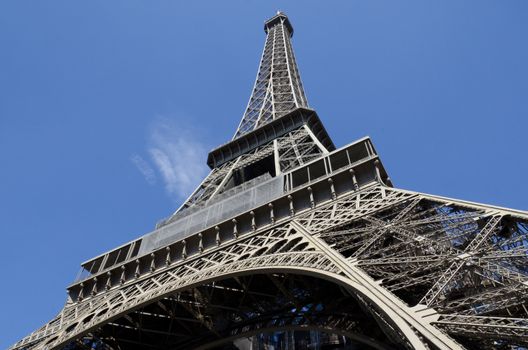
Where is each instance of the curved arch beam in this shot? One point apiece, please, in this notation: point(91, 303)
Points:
point(315, 264)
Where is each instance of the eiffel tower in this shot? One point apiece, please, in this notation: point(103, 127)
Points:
point(288, 234)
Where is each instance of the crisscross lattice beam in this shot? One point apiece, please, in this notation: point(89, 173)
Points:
point(278, 88)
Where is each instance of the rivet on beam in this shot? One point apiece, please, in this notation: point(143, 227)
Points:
point(292, 210)
point(253, 221)
point(138, 272)
point(272, 213)
point(123, 277)
point(332, 188)
point(354, 180)
point(200, 243)
point(152, 262)
point(184, 249)
point(108, 280)
point(312, 201)
point(235, 229)
point(218, 241)
point(168, 258)
point(94, 288)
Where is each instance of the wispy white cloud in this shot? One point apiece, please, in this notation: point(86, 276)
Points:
point(178, 156)
point(144, 168)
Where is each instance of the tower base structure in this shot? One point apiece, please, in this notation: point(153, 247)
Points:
point(291, 239)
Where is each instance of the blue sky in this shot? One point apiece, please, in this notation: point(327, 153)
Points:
point(108, 108)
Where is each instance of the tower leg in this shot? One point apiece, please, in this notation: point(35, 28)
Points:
point(404, 317)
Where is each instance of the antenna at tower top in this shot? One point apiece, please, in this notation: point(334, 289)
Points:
point(279, 18)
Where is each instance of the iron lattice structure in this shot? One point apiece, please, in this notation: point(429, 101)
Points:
point(289, 233)
point(278, 88)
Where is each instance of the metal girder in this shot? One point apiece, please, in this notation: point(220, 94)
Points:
point(307, 148)
point(484, 326)
point(432, 247)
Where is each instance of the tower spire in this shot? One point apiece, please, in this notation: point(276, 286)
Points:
point(278, 88)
